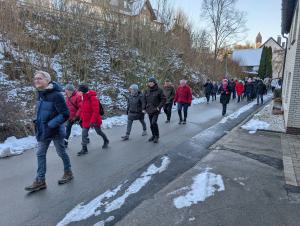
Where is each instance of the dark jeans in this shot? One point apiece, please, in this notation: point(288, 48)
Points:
point(249, 98)
point(185, 107)
point(153, 124)
point(69, 125)
point(207, 97)
point(85, 135)
point(224, 109)
point(213, 96)
point(168, 110)
point(234, 94)
point(239, 98)
point(41, 156)
point(129, 125)
point(261, 97)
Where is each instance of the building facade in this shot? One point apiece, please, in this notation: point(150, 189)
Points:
point(291, 82)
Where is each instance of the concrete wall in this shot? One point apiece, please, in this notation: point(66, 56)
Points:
point(291, 84)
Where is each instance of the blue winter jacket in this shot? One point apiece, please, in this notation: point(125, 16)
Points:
point(52, 112)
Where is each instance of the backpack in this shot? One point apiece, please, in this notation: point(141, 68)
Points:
point(101, 109)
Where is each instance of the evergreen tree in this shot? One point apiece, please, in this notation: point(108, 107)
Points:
point(269, 70)
point(262, 64)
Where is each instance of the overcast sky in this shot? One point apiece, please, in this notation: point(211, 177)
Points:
point(263, 16)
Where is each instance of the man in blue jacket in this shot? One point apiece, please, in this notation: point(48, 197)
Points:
point(51, 114)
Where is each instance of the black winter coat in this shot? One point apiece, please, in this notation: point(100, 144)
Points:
point(225, 95)
point(249, 88)
point(215, 89)
point(208, 88)
point(135, 106)
point(260, 88)
point(154, 100)
point(169, 92)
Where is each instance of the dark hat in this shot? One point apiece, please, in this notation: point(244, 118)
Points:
point(83, 88)
point(70, 87)
point(152, 79)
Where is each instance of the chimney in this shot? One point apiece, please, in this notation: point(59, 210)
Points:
point(279, 39)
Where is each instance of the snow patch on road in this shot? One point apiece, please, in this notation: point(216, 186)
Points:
point(199, 100)
point(13, 146)
point(102, 202)
point(102, 223)
point(204, 186)
point(253, 125)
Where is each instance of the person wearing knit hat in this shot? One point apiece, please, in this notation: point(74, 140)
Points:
point(135, 105)
point(73, 100)
point(225, 93)
point(154, 101)
point(90, 117)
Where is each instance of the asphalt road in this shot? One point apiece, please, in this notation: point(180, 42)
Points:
point(94, 173)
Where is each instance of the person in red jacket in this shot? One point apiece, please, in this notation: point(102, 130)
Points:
point(183, 98)
point(90, 117)
point(239, 89)
point(73, 101)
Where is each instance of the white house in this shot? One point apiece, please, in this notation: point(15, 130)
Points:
point(291, 81)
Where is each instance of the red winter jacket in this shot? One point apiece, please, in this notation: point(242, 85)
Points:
point(89, 110)
point(73, 104)
point(239, 88)
point(183, 95)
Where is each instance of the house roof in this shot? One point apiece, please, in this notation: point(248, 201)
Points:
point(287, 13)
point(273, 41)
point(247, 57)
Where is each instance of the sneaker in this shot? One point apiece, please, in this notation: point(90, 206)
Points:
point(83, 151)
point(155, 140)
point(105, 145)
point(144, 133)
point(36, 186)
point(67, 177)
point(151, 139)
point(126, 137)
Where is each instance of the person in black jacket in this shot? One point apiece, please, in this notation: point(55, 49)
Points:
point(135, 106)
point(260, 91)
point(214, 91)
point(249, 89)
point(169, 92)
point(208, 89)
point(225, 92)
point(51, 114)
point(154, 100)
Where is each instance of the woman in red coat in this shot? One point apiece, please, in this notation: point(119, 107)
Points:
point(239, 89)
point(90, 117)
point(183, 97)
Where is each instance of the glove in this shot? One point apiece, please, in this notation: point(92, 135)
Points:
point(189, 104)
point(93, 125)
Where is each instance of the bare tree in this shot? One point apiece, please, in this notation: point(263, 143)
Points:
point(225, 21)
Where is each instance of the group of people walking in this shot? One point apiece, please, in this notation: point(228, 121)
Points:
point(56, 114)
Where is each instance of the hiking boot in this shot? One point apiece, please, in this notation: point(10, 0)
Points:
point(36, 186)
point(144, 133)
point(68, 176)
point(180, 122)
point(83, 151)
point(151, 139)
point(184, 122)
point(126, 137)
point(155, 140)
point(105, 145)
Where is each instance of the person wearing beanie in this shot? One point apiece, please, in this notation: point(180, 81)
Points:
point(169, 92)
point(154, 99)
point(90, 117)
point(183, 98)
point(73, 100)
point(52, 112)
point(225, 91)
point(135, 106)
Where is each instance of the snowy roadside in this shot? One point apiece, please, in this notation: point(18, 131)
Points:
point(13, 146)
point(265, 120)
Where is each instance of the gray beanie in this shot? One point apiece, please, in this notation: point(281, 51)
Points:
point(70, 87)
point(134, 87)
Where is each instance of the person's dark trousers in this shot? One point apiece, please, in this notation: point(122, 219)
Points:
point(185, 107)
point(85, 135)
point(207, 97)
point(249, 97)
point(69, 125)
point(214, 96)
point(153, 124)
point(224, 109)
point(261, 97)
point(233, 94)
point(129, 126)
point(239, 98)
point(168, 110)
